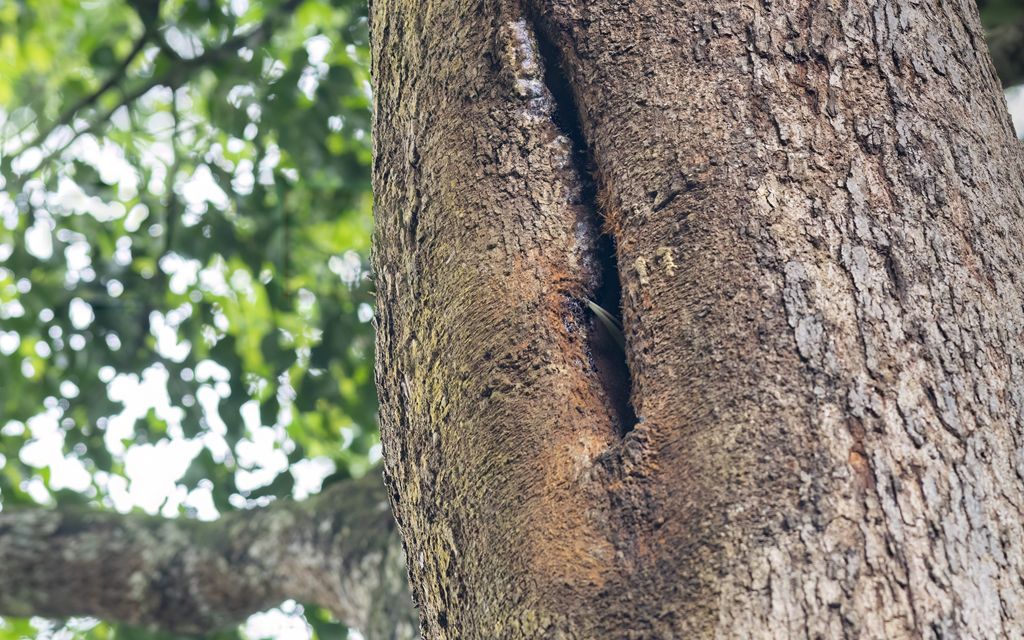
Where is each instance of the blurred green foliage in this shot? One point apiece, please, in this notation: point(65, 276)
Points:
point(995, 13)
point(183, 183)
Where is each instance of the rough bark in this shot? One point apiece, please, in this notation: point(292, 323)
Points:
point(339, 550)
point(816, 210)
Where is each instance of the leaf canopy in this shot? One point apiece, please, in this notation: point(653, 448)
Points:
point(185, 212)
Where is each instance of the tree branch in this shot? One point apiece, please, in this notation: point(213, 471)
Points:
point(174, 78)
point(339, 550)
point(111, 82)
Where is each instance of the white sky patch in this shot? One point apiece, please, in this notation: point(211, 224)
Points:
point(308, 82)
point(81, 314)
point(267, 164)
point(348, 267)
point(157, 96)
point(15, 139)
point(72, 199)
point(138, 398)
point(9, 211)
point(47, 440)
point(210, 370)
point(239, 91)
point(244, 179)
point(166, 335)
point(306, 302)
point(161, 124)
point(27, 161)
point(202, 188)
point(201, 499)
point(58, 138)
point(365, 312)
point(309, 475)
point(46, 449)
point(109, 161)
point(273, 70)
point(69, 473)
point(123, 255)
point(136, 217)
point(153, 471)
point(258, 454)
point(9, 342)
point(317, 48)
point(37, 490)
point(77, 255)
point(1015, 104)
point(11, 309)
point(184, 272)
point(121, 119)
point(212, 278)
point(185, 44)
point(286, 623)
point(39, 240)
point(241, 281)
point(208, 398)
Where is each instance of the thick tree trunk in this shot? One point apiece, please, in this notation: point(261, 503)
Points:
point(338, 550)
point(816, 210)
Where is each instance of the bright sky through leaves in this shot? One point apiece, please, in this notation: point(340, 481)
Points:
point(184, 225)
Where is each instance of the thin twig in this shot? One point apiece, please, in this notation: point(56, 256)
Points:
point(68, 115)
point(174, 78)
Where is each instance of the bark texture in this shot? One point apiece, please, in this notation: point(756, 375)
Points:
point(816, 210)
point(339, 550)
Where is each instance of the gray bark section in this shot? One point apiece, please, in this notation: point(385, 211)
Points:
point(339, 550)
point(818, 214)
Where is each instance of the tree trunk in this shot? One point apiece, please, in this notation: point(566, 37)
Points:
point(815, 209)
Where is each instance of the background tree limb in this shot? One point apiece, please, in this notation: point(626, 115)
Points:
point(339, 550)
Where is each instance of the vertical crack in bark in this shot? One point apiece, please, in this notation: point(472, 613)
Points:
point(607, 358)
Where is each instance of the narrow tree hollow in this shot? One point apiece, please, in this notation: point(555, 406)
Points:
point(816, 214)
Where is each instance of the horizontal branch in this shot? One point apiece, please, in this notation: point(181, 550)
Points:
point(340, 550)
